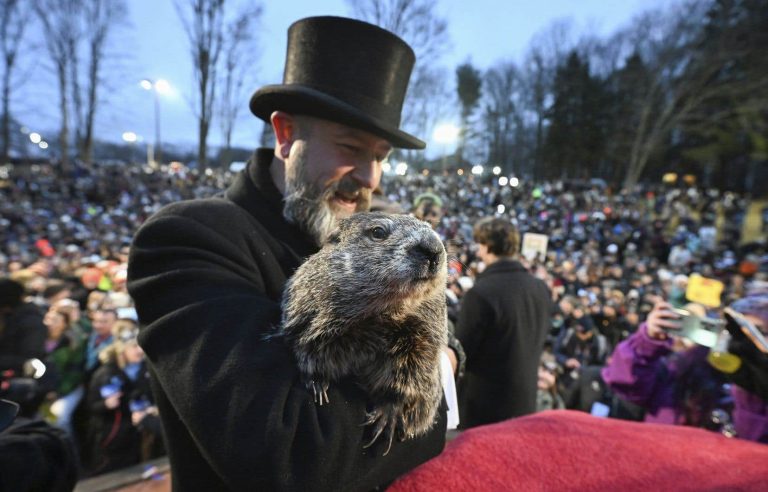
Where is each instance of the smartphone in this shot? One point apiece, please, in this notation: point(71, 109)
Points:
point(703, 331)
point(748, 329)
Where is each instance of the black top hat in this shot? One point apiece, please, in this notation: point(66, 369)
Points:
point(346, 71)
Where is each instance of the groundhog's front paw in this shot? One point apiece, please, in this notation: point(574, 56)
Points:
point(319, 388)
point(384, 418)
point(419, 416)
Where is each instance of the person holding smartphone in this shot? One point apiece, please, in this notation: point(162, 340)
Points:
point(670, 377)
point(114, 441)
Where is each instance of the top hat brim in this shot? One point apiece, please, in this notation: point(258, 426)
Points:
point(300, 99)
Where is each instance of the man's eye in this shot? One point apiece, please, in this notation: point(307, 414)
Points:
point(378, 233)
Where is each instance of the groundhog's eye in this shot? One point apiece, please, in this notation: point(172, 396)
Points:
point(378, 233)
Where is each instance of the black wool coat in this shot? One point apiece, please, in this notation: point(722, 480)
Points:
point(503, 323)
point(207, 277)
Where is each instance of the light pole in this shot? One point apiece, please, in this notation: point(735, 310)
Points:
point(446, 134)
point(157, 87)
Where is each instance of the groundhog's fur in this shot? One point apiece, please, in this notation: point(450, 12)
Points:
point(371, 303)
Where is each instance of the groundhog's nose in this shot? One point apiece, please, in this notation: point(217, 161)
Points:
point(428, 252)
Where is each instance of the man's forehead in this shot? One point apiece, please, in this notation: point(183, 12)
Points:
point(342, 130)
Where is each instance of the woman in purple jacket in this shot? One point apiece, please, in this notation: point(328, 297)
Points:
point(676, 384)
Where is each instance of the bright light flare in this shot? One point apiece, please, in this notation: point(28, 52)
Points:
point(35, 138)
point(130, 137)
point(477, 170)
point(514, 182)
point(401, 168)
point(446, 133)
point(162, 86)
point(496, 170)
point(503, 181)
point(43, 145)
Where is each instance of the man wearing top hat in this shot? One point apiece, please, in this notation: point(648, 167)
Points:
point(207, 277)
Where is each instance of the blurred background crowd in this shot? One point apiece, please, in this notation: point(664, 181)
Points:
point(610, 258)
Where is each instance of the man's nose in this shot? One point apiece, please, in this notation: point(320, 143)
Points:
point(367, 174)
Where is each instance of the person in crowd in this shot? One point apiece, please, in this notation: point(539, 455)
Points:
point(33, 454)
point(80, 325)
point(66, 361)
point(547, 392)
point(579, 344)
point(670, 377)
point(207, 278)
point(503, 323)
point(22, 332)
point(113, 392)
point(428, 207)
point(102, 321)
point(612, 324)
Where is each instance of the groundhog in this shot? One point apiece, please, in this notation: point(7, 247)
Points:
point(371, 304)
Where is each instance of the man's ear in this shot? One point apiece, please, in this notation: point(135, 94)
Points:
point(284, 127)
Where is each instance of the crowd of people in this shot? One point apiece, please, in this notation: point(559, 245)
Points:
point(611, 257)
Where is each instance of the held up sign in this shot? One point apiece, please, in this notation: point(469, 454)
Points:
point(534, 244)
point(704, 290)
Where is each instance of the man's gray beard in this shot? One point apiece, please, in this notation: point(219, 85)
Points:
point(307, 204)
point(307, 207)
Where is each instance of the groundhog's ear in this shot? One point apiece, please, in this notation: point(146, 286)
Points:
point(334, 237)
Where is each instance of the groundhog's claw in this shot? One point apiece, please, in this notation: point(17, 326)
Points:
point(319, 391)
point(383, 418)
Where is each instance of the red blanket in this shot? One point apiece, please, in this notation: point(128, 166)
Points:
point(566, 450)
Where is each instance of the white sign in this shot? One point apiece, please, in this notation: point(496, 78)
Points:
point(534, 244)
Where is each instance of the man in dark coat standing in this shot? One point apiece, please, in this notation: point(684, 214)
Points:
point(503, 323)
point(207, 277)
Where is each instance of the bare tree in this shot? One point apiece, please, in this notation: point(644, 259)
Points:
point(547, 49)
point(239, 59)
point(685, 82)
point(503, 118)
point(417, 23)
point(13, 20)
point(203, 22)
point(101, 17)
point(60, 25)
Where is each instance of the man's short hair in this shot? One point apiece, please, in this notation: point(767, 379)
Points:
point(11, 293)
point(105, 310)
point(498, 235)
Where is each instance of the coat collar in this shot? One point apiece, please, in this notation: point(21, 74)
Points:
point(503, 266)
point(254, 191)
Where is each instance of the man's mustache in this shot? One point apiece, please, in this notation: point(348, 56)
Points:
point(350, 189)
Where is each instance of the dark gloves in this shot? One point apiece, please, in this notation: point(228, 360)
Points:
point(753, 373)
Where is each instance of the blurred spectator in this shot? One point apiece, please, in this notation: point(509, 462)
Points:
point(579, 343)
point(428, 207)
point(503, 323)
point(22, 332)
point(35, 456)
point(547, 394)
point(66, 361)
point(114, 390)
point(100, 338)
point(670, 377)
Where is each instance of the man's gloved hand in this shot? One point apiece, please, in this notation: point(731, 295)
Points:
point(753, 373)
